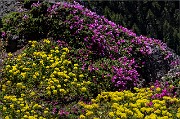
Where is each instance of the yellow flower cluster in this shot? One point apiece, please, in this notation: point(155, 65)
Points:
point(39, 71)
point(33, 43)
point(128, 105)
point(21, 108)
point(178, 113)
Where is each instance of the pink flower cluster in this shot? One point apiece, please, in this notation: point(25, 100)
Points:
point(107, 39)
point(166, 90)
point(125, 75)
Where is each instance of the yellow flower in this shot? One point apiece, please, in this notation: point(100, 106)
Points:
point(149, 110)
point(51, 61)
point(66, 49)
point(51, 51)
point(57, 51)
point(20, 99)
point(171, 86)
point(48, 88)
point(76, 65)
point(88, 113)
point(36, 73)
point(4, 108)
point(10, 54)
point(32, 93)
point(75, 79)
point(18, 111)
point(56, 48)
point(140, 115)
point(25, 116)
point(7, 67)
point(83, 89)
point(23, 74)
point(35, 106)
point(73, 83)
point(118, 113)
point(7, 117)
point(82, 117)
point(62, 90)
point(54, 92)
point(12, 106)
point(72, 74)
point(16, 72)
point(8, 82)
point(111, 114)
point(153, 116)
point(81, 76)
point(63, 56)
point(32, 111)
point(49, 93)
point(129, 112)
point(156, 105)
point(65, 80)
point(23, 87)
point(45, 112)
point(33, 64)
point(22, 105)
point(75, 68)
point(123, 115)
point(19, 85)
point(34, 76)
point(52, 87)
point(169, 114)
point(88, 82)
point(32, 117)
point(78, 85)
point(95, 105)
point(178, 115)
point(88, 107)
point(46, 41)
point(4, 87)
point(58, 86)
point(158, 89)
point(27, 113)
point(157, 111)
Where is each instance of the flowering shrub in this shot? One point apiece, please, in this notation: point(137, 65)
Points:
point(129, 105)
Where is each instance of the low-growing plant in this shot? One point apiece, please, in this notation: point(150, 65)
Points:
point(41, 74)
point(128, 105)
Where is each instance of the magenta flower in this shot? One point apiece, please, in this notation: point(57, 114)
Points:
point(3, 34)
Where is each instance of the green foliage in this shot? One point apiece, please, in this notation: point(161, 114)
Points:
point(23, 26)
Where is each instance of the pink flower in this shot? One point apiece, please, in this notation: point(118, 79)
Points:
point(3, 34)
point(150, 104)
